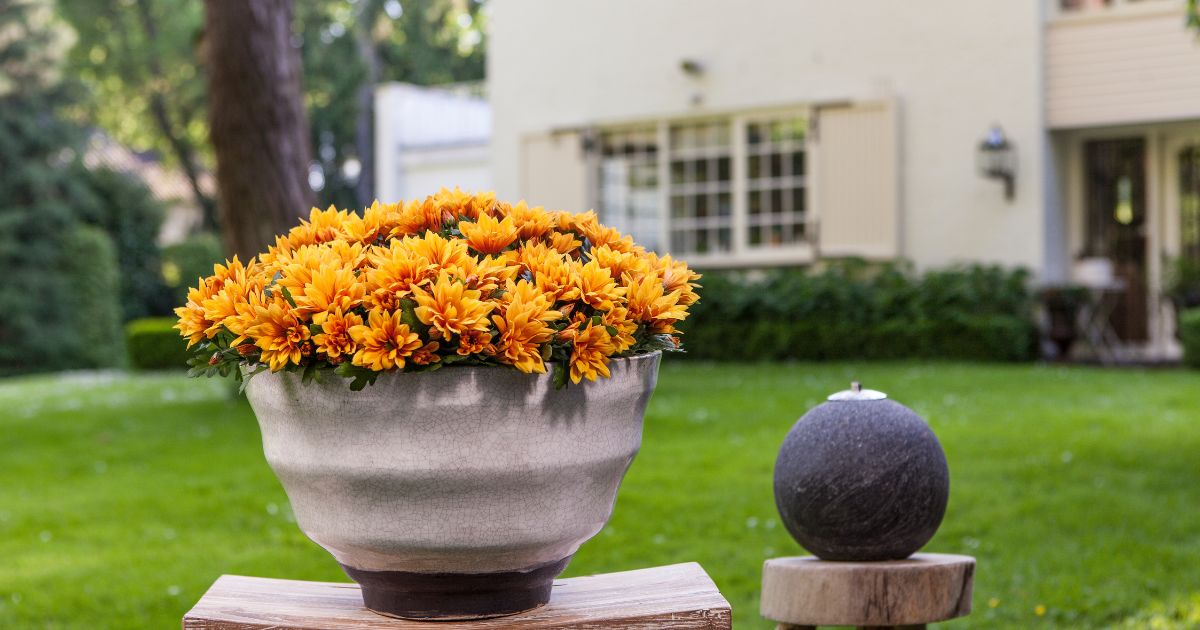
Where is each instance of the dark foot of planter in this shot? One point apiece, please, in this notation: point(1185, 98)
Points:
point(453, 596)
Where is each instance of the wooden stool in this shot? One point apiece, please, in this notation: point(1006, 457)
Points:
point(675, 596)
point(805, 592)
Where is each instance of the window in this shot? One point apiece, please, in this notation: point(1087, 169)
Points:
point(701, 188)
point(723, 187)
point(775, 155)
point(628, 183)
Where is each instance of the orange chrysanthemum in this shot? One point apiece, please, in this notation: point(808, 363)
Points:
point(649, 304)
point(384, 342)
point(596, 286)
point(450, 308)
point(279, 333)
point(489, 236)
point(335, 341)
point(589, 354)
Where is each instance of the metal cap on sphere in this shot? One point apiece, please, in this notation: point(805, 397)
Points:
point(855, 393)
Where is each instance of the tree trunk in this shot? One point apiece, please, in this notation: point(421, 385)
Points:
point(257, 121)
point(364, 136)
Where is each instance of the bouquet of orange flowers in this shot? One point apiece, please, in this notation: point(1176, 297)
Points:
point(453, 278)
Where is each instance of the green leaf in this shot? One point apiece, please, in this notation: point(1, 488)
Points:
point(246, 379)
point(287, 295)
point(560, 375)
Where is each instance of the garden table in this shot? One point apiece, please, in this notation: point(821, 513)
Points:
point(675, 596)
point(1096, 323)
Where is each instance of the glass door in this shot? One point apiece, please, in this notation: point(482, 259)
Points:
point(1116, 226)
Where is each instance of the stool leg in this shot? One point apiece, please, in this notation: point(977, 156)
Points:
point(788, 626)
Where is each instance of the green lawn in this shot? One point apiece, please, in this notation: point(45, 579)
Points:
point(122, 499)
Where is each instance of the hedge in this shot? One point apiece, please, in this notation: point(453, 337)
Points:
point(154, 344)
point(94, 306)
point(852, 310)
point(1189, 334)
point(59, 300)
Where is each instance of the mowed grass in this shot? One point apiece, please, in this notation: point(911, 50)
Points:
point(1078, 490)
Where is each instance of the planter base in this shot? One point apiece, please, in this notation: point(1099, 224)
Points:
point(456, 596)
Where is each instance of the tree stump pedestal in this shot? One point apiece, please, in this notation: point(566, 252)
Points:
point(806, 592)
point(676, 596)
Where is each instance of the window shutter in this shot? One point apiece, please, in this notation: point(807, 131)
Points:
point(554, 171)
point(856, 196)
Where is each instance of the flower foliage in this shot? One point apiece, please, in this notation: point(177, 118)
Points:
point(452, 278)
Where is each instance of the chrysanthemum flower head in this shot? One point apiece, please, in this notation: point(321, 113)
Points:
point(384, 342)
point(450, 308)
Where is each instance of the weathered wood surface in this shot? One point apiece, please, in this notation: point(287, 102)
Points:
point(675, 596)
point(926, 588)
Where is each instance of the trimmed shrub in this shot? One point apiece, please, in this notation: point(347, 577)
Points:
point(154, 344)
point(852, 310)
point(1189, 334)
point(90, 266)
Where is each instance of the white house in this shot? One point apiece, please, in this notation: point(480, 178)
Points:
point(773, 132)
point(430, 137)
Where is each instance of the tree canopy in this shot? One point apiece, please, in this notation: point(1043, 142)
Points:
point(142, 64)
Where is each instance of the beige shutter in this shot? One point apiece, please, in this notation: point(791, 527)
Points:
point(554, 171)
point(856, 189)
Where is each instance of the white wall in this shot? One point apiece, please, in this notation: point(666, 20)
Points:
point(954, 66)
point(427, 139)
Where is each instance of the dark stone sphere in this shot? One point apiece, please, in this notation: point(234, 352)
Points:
point(861, 480)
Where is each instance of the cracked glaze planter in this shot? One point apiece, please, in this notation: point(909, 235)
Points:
point(454, 494)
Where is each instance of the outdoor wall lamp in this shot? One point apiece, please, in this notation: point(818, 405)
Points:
point(997, 159)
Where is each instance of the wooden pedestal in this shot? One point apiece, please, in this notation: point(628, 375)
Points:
point(804, 592)
point(676, 596)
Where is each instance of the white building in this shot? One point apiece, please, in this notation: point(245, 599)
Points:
point(427, 138)
point(769, 132)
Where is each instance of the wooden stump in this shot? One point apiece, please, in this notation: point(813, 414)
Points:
point(805, 592)
point(675, 596)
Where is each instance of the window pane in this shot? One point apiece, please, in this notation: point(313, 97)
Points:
point(701, 187)
point(628, 184)
point(776, 165)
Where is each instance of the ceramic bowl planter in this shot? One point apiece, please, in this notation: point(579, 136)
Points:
point(454, 494)
point(861, 478)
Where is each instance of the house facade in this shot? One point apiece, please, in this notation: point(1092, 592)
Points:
point(780, 133)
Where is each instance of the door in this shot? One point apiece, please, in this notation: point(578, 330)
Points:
point(1182, 203)
point(1116, 225)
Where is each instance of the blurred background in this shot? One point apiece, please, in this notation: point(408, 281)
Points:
point(977, 205)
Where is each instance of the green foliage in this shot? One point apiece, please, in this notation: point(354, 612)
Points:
point(116, 57)
point(140, 59)
point(1189, 335)
point(1183, 281)
point(154, 344)
point(92, 306)
point(131, 216)
point(59, 297)
point(851, 310)
point(184, 263)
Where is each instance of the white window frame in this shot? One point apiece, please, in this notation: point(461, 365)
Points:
point(741, 254)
